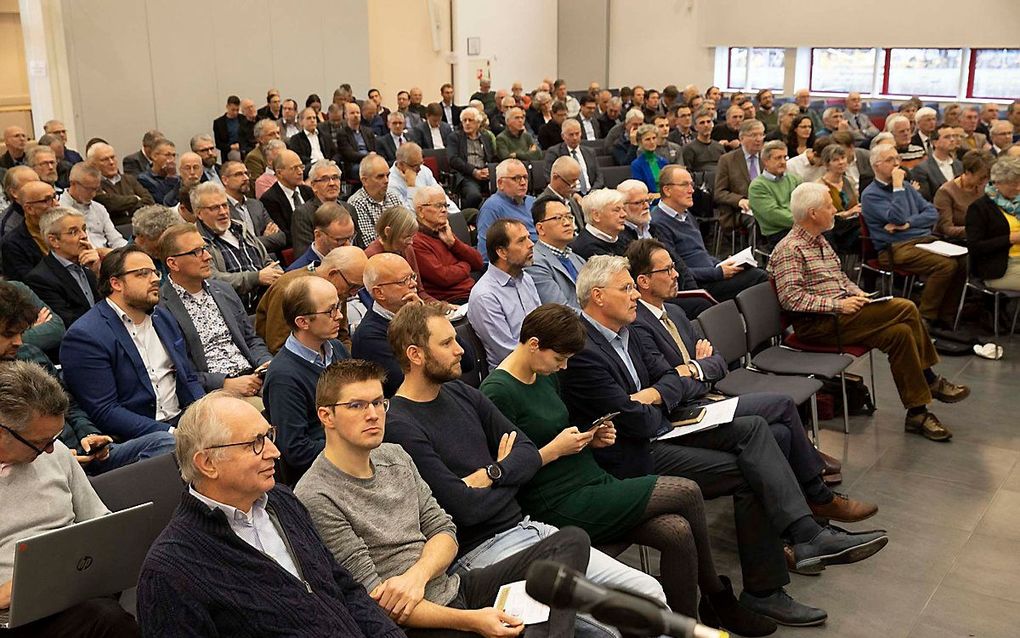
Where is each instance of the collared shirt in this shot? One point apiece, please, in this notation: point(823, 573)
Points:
point(101, 230)
point(321, 359)
point(78, 274)
point(437, 137)
point(589, 129)
point(255, 528)
point(242, 214)
point(946, 167)
point(641, 232)
point(475, 153)
point(497, 306)
point(405, 193)
point(289, 130)
point(383, 312)
point(289, 192)
point(808, 273)
point(313, 140)
point(680, 215)
point(157, 362)
point(238, 255)
point(599, 234)
point(221, 353)
point(211, 175)
point(398, 140)
point(360, 141)
point(748, 157)
point(448, 111)
point(582, 180)
point(368, 211)
point(659, 313)
point(564, 253)
point(684, 139)
point(620, 341)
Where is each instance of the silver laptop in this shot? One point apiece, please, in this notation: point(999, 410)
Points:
point(59, 569)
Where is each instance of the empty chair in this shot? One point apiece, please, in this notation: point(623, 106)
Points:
point(157, 479)
point(467, 334)
point(614, 175)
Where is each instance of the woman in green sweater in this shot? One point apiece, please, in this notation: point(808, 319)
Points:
point(663, 512)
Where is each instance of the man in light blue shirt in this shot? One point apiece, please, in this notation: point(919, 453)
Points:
point(511, 201)
point(505, 294)
point(409, 161)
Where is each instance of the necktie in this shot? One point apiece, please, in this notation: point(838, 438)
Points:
point(584, 177)
point(571, 269)
point(673, 332)
point(296, 197)
point(752, 166)
point(400, 140)
point(83, 283)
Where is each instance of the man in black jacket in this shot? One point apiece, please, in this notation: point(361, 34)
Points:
point(311, 144)
point(471, 166)
point(354, 141)
point(226, 129)
point(65, 279)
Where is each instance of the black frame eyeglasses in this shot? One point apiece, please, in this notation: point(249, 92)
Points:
point(258, 444)
point(406, 281)
point(195, 252)
point(38, 451)
point(335, 309)
point(670, 268)
point(361, 406)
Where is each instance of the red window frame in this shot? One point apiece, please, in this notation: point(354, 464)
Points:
point(972, 67)
point(888, 62)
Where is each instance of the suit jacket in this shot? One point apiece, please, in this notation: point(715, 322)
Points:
point(640, 170)
point(930, 177)
point(455, 111)
point(221, 135)
point(422, 135)
point(347, 147)
point(123, 198)
point(731, 180)
point(136, 163)
point(246, 135)
point(19, 253)
point(302, 231)
point(106, 375)
point(549, 134)
point(595, 124)
point(553, 281)
point(242, 333)
point(916, 140)
point(299, 144)
point(862, 159)
point(457, 152)
point(685, 244)
point(387, 147)
point(59, 290)
point(260, 220)
point(654, 336)
point(279, 207)
point(242, 282)
point(607, 124)
point(593, 172)
point(987, 239)
point(979, 140)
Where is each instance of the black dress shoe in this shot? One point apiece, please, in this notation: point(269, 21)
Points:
point(833, 547)
point(722, 611)
point(783, 609)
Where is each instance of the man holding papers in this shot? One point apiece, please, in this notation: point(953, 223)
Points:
point(809, 279)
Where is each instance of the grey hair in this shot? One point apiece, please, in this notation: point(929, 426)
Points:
point(633, 114)
point(95, 148)
point(829, 112)
point(198, 138)
point(596, 273)
point(366, 164)
point(1006, 170)
point(805, 197)
point(615, 101)
point(541, 97)
point(81, 169)
point(600, 198)
point(395, 115)
point(54, 216)
point(832, 152)
point(925, 111)
point(877, 151)
point(26, 392)
point(199, 428)
point(884, 136)
point(423, 194)
point(275, 145)
point(202, 190)
point(1005, 125)
point(645, 129)
point(748, 126)
point(261, 125)
point(319, 167)
point(773, 145)
point(572, 123)
point(470, 112)
point(893, 120)
point(635, 186)
point(787, 108)
point(31, 152)
point(406, 150)
point(504, 167)
point(150, 222)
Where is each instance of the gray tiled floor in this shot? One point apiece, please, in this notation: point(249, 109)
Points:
point(952, 566)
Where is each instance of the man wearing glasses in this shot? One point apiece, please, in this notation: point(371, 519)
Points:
point(65, 279)
point(21, 247)
point(241, 556)
point(444, 261)
point(289, 191)
point(248, 210)
point(43, 488)
point(312, 310)
point(80, 194)
point(555, 265)
point(325, 178)
point(511, 201)
point(332, 227)
point(125, 360)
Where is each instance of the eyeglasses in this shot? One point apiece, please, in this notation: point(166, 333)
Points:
point(643, 203)
point(75, 232)
point(208, 149)
point(406, 281)
point(223, 206)
point(680, 184)
point(45, 200)
point(332, 311)
point(520, 179)
point(438, 206)
point(342, 241)
point(629, 288)
point(566, 217)
point(258, 444)
point(38, 451)
point(668, 269)
point(326, 178)
point(144, 273)
point(195, 252)
point(361, 406)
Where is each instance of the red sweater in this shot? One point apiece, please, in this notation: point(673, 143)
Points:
point(445, 271)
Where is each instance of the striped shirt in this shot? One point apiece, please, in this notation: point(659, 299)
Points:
point(807, 273)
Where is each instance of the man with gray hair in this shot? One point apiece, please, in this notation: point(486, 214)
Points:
point(605, 211)
point(1001, 135)
point(13, 180)
point(43, 161)
point(734, 173)
point(66, 278)
point(204, 146)
point(56, 127)
point(860, 125)
point(769, 193)
point(373, 197)
point(121, 194)
point(141, 161)
point(311, 144)
point(834, 120)
point(810, 282)
point(80, 193)
point(288, 193)
point(325, 179)
point(394, 139)
point(511, 201)
point(445, 263)
point(332, 227)
point(266, 180)
point(470, 153)
point(409, 174)
point(248, 210)
point(160, 179)
point(255, 160)
point(563, 180)
point(515, 142)
point(147, 226)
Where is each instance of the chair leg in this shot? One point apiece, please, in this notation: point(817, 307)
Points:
point(1016, 312)
point(874, 390)
point(959, 309)
point(814, 419)
point(646, 564)
point(995, 319)
point(846, 408)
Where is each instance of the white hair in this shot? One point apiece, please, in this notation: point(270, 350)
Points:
point(893, 120)
point(470, 112)
point(633, 114)
point(597, 273)
point(52, 217)
point(632, 186)
point(805, 197)
point(881, 139)
point(504, 167)
point(423, 194)
point(878, 151)
point(925, 111)
point(320, 167)
point(600, 198)
point(202, 190)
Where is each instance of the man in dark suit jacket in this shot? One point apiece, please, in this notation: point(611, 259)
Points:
point(325, 188)
point(128, 393)
point(422, 134)
point(19, 252)
point(280, 200)
point(929, 172)
point(301, 143)
point(221, 341)
point(139, 162)
point(571, 146)
point(471, 181)
point(249, 211)
point(226, 129)
point(591, 127)
point(449, 111)
point(395, 137)
point(354, 141)
point(65, 279)
point(733, 178)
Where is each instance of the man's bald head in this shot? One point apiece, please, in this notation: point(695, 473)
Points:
point(344, 267)
point(17, 177)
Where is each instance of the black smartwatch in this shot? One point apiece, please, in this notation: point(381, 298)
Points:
point(494, 471)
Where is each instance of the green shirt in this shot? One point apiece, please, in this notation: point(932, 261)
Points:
point(770, 202)
point(520, 146)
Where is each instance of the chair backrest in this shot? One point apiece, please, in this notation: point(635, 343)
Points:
point(605, 160)
point(459, 226)
point(723, 326)
point(615, 175)
point(539, 176)
point(286, 257)
point(433, 165)
point(762, 314)
point(868, 251)
point(157, 479)
point(492, 177)
point(467, 333)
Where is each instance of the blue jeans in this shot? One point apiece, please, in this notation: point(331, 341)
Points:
point(141, 448)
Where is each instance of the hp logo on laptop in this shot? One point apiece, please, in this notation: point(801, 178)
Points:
point(84, 563)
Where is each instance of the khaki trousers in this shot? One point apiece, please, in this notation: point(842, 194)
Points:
point(944, 277)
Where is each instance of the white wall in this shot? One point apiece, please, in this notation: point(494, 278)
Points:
point(583, 42)
point(405, 57)
point(518, 38)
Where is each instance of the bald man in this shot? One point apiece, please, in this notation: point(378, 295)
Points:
point(15, 140)
point(24, 247)
point(121, 194)
point(13, 180)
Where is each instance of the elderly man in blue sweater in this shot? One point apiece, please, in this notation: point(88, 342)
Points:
point(511, 201)
point(898, 220)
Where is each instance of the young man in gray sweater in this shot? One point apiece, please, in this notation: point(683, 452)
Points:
point(379, 519)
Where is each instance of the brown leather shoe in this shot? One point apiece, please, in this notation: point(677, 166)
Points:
point(832, 464)
point(947, 392)
point(844, 509)
point(928, 426)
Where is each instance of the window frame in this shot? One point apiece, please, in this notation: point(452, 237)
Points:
point(888, 64)
point(877, 52)
point(746, 84)
point(972, 67)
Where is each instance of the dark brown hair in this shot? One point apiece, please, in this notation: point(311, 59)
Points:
point(557, 328)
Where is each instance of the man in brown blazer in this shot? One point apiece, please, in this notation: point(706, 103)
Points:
point(734, 174)
point(120, 193)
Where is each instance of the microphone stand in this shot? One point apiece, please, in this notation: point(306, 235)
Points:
point(649, 617)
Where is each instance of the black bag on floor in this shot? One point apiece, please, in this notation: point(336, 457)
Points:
point(857, 395)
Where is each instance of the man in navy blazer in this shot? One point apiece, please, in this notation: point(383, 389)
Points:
point(678, 230)
point(125, 361)
point(554, 266)
point(929, 172)
point(65, 279)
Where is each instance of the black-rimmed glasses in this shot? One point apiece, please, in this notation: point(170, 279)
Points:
point(332, 311)
point(195, 252)
point(668, 269)
point(569, 217)
point(38, 451)
point(258, 444)
point(361, 406)
point(144, 272)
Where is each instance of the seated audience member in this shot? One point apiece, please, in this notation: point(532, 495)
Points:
point(189, 172)
point(141, 160)
point(14, 214)
point(925, 121)
point(971, 140)
point(766, 113)
point(953, 199)
point(43, 161)
point(801, 135)
point(235, 525)
point(540, 110)
point(448, 110)
point(769, 194)
point(15, 141)
point(325, 179)
point(409, 173)
point(355, 140)
point(333, 227)
point(312, 311)
point(1001, 137)
point(395, 231)
point(411, 117)
point(647, 164)
point(734, 173)
point(434, 132)
point(497, 119)
point(610, 117)
point(257, 159)
point(511, 201)
point(248, 210)
point(505, 294)
point(808, 165)
point(859, 124)
point(785, 116)
point(802, 98)
point(564, 177)
point(226, 128)
point(941, 165)
point(678, 230)
point(809, 280)
point(554, 265)
point(343, 267)
point(833, 120)
point(670, 151)
point(159, 179)
point(394, 139)
point(372, 198)
point(590, 176)
point(122, 194)
point(470, 154)
point(147, 226)
point(288, 193)
point(57, 128)
point(549, 134)
point(682, 132)
point(272, 109)
point(727, 133)
point(372, 119)
point(64, 167)
point(203, 146)
point(899, 219)
point(80, 195)
point(515, 142)
point(571, 488)
point(46, 329)
point(910, 154)
point(267, 179)
point(988, 116)
point(237, 257)
point(993, 228)
point(587, 117)
point(310, 144)
point(65, 278)
point(606, 211)
point(222, 345)
point(445, 263)
point(846, 230)
point(334, 122)
point(614, 373)
point(45, 489)
point(23, 248)
point(123, 340)
point(289, 124)
point(247, 139)
point(359, 480)
point(627, 144)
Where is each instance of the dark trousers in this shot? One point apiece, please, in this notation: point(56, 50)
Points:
point(478, 587)
point(96, 618)
point(741, 459)
point(781, 413)
point(728, 288)
point(470, 193)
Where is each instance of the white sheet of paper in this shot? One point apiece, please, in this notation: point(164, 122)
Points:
point(512, 599)
point(458, 313)
point(943, 248)
point(745, 256)
point(715, 414)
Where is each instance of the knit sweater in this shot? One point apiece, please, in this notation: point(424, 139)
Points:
point(770, 202)
point(881, 205)
point(588, 245)
point(445, 270)
point(200, 579)
point(519, 146)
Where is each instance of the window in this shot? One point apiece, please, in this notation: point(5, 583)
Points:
point(993, 73)
point(934, 72)
point(843, 70)
point(756, 68)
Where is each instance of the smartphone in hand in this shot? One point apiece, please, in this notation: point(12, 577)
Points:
point(599, 422)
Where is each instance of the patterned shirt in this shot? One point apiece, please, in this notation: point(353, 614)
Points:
point(807, 273)
point(368, 212)
point(239, 255)
point(221, 353)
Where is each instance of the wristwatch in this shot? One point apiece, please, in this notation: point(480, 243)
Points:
point(494, 471)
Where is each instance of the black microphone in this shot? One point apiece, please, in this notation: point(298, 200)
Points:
point(559, 586)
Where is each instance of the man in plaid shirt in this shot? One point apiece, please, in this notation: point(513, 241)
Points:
point(809, 279)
